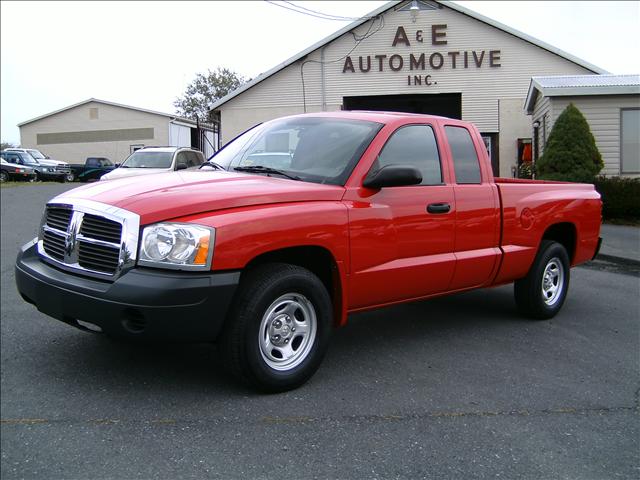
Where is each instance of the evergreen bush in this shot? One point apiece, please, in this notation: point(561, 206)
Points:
point(571, 153)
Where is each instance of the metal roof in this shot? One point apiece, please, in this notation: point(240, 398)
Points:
point(578, 85)
point(388, 6)
point(168, 115)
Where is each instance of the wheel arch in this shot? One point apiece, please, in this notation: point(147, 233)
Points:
point(565, 234)
point(318, 260)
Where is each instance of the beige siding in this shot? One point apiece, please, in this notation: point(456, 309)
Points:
point(603, 115)
point(513, 125)
point(482, 88)
point(66, 124)
point(542, 113)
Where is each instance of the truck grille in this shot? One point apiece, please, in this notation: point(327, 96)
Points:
point(84, 241)
point(63, 168)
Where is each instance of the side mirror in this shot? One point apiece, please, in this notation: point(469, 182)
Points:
point(116, 165)
point(181, 166)
point(393, 176)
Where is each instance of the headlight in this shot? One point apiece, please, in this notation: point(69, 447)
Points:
point(181, 246)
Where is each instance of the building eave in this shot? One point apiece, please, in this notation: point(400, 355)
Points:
point(113, 104)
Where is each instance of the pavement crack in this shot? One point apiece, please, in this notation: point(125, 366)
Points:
point(304, 420)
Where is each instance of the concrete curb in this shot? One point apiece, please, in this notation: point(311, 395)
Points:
point(621, 260)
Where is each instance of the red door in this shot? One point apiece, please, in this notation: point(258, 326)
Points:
point(399, 249)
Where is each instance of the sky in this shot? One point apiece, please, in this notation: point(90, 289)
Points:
point(144, 54)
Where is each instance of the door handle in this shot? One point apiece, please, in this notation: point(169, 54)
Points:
point(438, 208)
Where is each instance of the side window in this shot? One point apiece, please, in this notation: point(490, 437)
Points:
point(195, 159)
point(93, 162)
point(14, 158)
point(181, 157)
point(413, 145)
point(465, 158)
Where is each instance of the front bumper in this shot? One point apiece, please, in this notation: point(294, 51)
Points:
point(143, 303)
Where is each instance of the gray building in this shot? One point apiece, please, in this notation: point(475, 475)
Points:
point(611, 105)
point(416, 56)
point(97, 128)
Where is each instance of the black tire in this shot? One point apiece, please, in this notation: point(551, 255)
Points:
point(37, 177)
point(541, 294)
point(250, 342)
point(3, 176)
point(69, 177)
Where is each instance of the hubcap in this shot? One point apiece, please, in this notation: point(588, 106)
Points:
point(287, 331)
point(552, 281)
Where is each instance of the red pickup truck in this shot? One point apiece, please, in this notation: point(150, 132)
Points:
point(297, 223)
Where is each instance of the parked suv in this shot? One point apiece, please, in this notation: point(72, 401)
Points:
point(43, 172)
point(41, 158)
point(157, 160)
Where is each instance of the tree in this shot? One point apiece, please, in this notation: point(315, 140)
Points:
point(571, 153)
point(4, 145)
point(204, 90)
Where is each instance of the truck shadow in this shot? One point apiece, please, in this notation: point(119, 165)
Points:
point(160, 367)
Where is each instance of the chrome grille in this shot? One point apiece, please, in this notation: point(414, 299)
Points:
point(63, 168)
point(101, 228)
point(58, 218)
point(99, 258)
point(54, 245)
point(92, 238)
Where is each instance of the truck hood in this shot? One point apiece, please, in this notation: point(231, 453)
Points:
point(172, 195)
point(49, 162)
point(122, 172)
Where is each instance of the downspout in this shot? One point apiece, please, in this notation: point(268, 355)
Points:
point(323, 93)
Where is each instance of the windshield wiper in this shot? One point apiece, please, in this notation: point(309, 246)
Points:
point(263, 169)
point(211, 163)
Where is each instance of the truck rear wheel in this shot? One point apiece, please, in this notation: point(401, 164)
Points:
point(541, 294)
point(279, 327)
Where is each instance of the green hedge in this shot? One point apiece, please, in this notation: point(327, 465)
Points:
point(620, 198)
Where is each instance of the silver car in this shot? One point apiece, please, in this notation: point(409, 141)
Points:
point(149, 160)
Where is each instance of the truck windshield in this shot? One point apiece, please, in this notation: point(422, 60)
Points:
point(142, 159)
point(315, 149)
point(36, 154)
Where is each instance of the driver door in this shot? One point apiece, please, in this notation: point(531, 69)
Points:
point(402, 238)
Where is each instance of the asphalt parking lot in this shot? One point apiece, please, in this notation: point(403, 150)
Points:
point(456, 387)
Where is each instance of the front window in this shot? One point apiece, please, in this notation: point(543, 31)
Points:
point(315, 149)
point(147, 159)
point(28, 159)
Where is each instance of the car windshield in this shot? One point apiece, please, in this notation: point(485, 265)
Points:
point(36, 154)
point(315, 149)
point(147, 159)
point(28, 159)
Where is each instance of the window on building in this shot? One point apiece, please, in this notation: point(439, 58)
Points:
point(630, 141)
point(465, 157)
point(93, 114)
point(413, 145)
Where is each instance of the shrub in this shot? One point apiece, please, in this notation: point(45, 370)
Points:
point(620, 198)
point(571, 153)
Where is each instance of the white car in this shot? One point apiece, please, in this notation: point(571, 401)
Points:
point(149, 160)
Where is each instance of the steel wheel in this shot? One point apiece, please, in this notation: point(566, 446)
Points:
point(552, 281)
point(287, 331)
point(278, 330)
point(542, 292)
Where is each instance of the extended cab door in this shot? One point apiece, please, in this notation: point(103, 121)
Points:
point(402, 238)
point(477, 231)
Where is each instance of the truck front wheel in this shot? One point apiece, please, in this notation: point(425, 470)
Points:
point(542, 292)
point(279, 327)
